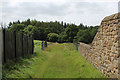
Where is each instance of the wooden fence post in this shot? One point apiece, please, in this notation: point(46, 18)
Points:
point(1, 51)
point(32, 44)
point(14, 45)
point(24, 45)
point(42, 45)
point(9, 45)
point(27, 44)
point(3, 55)
point(45, 43)
point(19, 44)
point(1, 46)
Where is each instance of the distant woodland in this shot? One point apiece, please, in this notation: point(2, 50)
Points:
point(55, 31)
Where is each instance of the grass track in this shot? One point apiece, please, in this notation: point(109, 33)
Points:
point(56, 61)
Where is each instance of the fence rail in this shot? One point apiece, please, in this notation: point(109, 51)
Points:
point(15, 45)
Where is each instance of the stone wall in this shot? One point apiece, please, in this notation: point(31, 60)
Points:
point(104, 51)
point(84, 49)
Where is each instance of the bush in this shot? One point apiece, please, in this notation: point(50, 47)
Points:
point(52, 37)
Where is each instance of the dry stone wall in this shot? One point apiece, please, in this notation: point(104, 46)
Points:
point(105, 49)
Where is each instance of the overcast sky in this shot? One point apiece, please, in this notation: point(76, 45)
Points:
point(88, 12)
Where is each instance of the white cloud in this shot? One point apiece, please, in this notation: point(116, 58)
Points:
point(101, 0)
point(89, 12)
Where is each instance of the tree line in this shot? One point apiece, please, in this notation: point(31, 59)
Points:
point(55, 31)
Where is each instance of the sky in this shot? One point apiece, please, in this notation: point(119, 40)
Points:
point(88, 12)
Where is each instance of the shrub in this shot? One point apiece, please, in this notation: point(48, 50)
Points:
point(52, 37)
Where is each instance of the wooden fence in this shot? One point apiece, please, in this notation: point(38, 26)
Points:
point(1, 51)
point(15, 45)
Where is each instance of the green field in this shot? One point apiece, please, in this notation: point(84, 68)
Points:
point(56, 61)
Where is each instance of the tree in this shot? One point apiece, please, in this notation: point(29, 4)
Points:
point(62, 37)
point(10, 24)
point(81, 26)
point(84, 36)
point(28, 30)
point(18, 22)
point(17, 27)
point(71, 32)
point(67, 32)
point(33, 22)
point(38, 24)
point(93, 31)
point(28, 22)
point(65, 25)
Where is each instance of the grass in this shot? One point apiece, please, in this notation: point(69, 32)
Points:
point(56, 61)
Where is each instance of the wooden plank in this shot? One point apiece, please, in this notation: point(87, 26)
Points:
point(1, 47)
point(9, 45)
point(25, 45)
point(19, 45)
